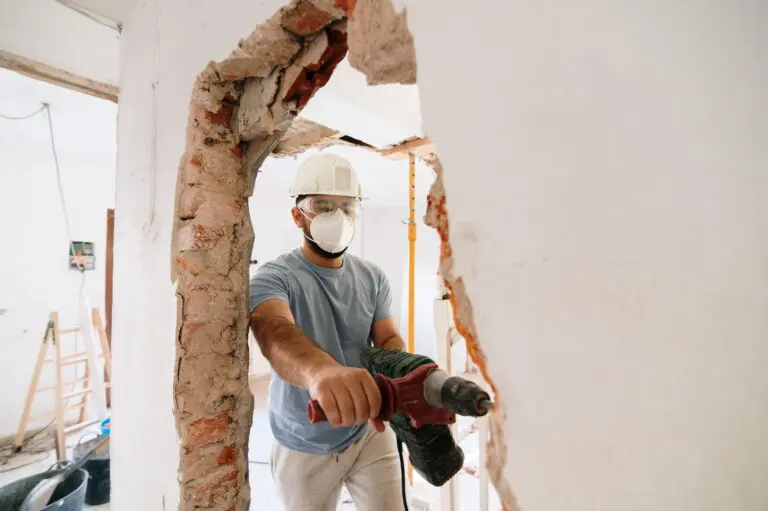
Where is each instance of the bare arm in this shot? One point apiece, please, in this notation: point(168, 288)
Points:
point(293, 355)
point(347, 395)
point(385, 335)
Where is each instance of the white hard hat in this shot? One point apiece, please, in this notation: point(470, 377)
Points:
point(326, 174)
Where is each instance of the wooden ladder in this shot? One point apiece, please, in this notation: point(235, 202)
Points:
point(53, 336)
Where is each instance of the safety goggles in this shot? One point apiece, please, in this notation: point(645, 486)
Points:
point(328, 204)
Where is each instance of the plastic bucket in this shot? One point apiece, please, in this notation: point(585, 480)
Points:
point(106, 425)
point(69, 494)
point(99, 487)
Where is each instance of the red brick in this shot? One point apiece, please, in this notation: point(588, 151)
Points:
point(305, 19)
point(227, 456)
point(221, 117)
point(240, 149)
point(208, 429)
point(223, 485)
point(347, 5)
point(316, 75)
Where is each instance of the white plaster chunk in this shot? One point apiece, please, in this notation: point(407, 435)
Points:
point(380, 44)
point(257, 55)
point(201, 92)
point(196, 175)
point(218, 212)
point(261, 112)
point(254, 118)
point(312, 54)
point(193, 236)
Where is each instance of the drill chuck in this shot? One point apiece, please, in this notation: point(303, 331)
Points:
point(455, 394)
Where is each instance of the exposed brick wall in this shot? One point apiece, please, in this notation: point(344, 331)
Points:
point(239, 110)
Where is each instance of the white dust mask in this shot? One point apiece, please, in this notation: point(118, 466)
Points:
point(333, 231)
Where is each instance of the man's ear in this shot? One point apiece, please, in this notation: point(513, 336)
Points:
point(297, 217)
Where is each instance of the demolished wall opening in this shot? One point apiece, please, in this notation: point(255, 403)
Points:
point(240, 109)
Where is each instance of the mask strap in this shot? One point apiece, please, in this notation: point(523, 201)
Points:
point(304, 214)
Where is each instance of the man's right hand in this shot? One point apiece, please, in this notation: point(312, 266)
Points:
point(348, 395)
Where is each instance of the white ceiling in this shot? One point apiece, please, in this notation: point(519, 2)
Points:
point(48, 32)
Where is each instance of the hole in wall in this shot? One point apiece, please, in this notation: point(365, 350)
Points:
point(244, 109)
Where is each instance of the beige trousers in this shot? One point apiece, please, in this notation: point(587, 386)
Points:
point(312, 482)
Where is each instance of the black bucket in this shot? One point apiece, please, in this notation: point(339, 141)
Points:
point(98, 482)
point(99, 488)
point(69, 494)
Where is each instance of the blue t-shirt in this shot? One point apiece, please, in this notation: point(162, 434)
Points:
point(334, 307)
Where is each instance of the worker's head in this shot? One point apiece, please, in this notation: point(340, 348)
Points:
point(328, 197)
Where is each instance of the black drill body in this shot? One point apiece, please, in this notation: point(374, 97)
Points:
point(431, 448)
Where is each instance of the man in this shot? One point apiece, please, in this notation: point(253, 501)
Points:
point(313, 311)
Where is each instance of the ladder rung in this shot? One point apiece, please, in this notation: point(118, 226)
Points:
point(74, 355)
point(73, 361)
point(68, 360)
point(74, 407)
point(69, 330)
point(53, 387)
point(76, 393)
point(82, 425)
point(79, 380)
point(73, 382)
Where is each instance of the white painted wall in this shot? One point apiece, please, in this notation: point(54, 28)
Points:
point(608, 211)
point(34, 277)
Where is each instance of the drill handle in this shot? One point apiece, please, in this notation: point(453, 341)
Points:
point(389, 405)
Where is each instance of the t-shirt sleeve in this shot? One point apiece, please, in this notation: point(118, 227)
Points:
point(383, 298)
point(269, 283)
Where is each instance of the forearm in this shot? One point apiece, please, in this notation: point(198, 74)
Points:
point(295, 357)
point(395, 342)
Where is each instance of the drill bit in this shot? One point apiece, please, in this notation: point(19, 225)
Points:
point(486, 405)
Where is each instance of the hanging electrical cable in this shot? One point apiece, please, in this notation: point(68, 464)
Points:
point(21, 118)
point(47, 108)
point(49, 118)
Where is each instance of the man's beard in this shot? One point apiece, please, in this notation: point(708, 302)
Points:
point(316, 248)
